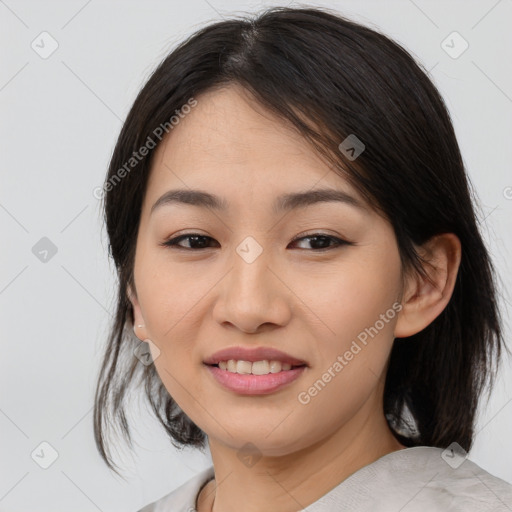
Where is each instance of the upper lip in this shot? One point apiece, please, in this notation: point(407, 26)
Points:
point(252, 355)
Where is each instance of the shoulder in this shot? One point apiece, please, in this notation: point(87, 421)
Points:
point(183, 498)
point(431, 478)
point(419, 479)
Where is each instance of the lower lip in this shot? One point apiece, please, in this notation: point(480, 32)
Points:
point(250, 384)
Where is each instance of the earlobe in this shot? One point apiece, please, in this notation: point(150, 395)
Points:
point(426, 297)
point(139, 327)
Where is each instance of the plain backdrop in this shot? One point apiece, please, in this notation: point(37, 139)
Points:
point(60, 116)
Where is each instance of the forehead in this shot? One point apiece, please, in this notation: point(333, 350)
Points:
point(229, 144)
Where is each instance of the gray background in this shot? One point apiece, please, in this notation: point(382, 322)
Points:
point(60, 117)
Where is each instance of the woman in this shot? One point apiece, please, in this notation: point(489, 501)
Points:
point(299, 256)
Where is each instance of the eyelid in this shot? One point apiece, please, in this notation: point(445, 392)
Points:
point(317, 233)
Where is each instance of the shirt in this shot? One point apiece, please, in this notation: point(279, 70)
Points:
point(417, 479)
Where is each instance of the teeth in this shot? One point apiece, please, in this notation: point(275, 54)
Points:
point(257, 368)
point(260, 367)
point(243, 367)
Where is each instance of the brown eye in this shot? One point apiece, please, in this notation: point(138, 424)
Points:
point(196, 241)
point(320, 241)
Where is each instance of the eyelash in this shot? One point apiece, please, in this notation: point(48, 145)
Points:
point(173, 242)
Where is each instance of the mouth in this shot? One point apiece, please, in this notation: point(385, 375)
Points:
point(293, 365)
point(263, 359)
point(254, 370)
point(263, 367)
point(256, 379)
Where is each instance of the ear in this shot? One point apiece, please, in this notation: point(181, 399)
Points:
point(139, 327)
point(425, 298)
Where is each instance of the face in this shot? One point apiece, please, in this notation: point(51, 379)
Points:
point(319, 281)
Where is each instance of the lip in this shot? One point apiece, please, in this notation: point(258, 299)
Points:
point(253, 354)
point(248, 384)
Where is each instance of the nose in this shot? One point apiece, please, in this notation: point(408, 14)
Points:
point(252, 297)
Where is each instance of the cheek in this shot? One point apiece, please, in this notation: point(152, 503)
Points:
point(351, 296)
point(356, 312)
point(172, 300)
point(171, 294)
point(348, 364)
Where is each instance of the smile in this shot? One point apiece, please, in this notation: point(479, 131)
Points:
point(242, 377)
point(263, 367)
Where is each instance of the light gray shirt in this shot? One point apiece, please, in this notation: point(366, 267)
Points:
point(418, 479)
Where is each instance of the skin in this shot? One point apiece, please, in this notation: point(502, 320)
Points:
point(310, 304)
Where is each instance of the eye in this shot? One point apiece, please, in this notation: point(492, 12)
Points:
point(322, 242)
point(196, 241)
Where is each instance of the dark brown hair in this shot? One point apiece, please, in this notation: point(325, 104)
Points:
point(328, 77)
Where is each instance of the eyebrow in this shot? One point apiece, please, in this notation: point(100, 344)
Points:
point(283, 203)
